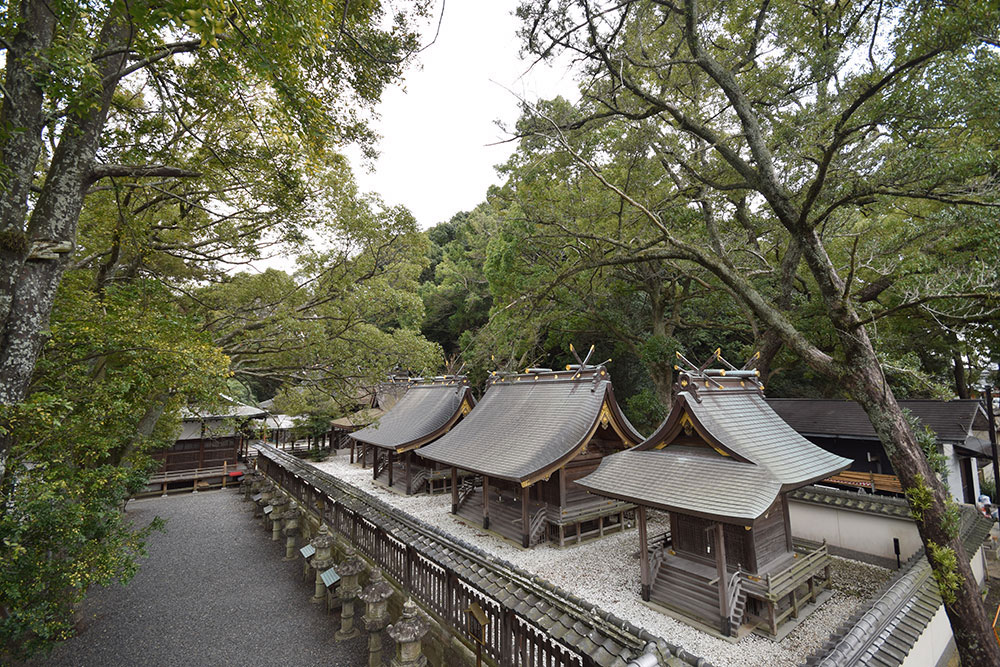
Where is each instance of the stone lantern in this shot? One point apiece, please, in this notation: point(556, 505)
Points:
point(279, 505)
point(266, 491)
point(349, 590)
point(291, 529)
point(407, 633)
point(376, 598)
point(322, 561)
point(253, 482)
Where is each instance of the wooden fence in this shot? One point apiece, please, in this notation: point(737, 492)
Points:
point(511, 639)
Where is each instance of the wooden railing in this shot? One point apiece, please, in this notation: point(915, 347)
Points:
point(538, 524)
point(419, 479)
point(447, 586)
point(657, 550)
point(805, 566)
point(735, 589)
point(465, 489)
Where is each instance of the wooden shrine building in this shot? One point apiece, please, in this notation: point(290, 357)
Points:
point(721, 465)
point(526, 443)
point(424, 413)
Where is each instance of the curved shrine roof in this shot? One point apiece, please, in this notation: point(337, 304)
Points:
point(530, 422)
point(423, 413)
point(743, 456)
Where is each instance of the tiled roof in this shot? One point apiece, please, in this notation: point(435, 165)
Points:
point(423, 413)
point(743, 421)
point(852, 500)
point(528, 422)
point(883, 632)
point(758, 456)
point(694, 484)
point(951, 421)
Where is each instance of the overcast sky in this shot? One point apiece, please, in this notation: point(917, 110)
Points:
point(436, 158)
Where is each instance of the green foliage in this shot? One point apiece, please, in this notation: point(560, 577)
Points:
point(920, 498)
point(78, 454)
point(944, 565)
point(645, 411)
point(927, 440)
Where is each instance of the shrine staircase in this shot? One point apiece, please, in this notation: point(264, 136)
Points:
point(692, 589)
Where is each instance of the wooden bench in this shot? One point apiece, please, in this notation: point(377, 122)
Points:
point(194, 475)
point(867, 480)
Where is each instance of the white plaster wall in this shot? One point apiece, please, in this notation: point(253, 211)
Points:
point(936, 642)
point(858, 531)
point(932, 644)
point(954, 476)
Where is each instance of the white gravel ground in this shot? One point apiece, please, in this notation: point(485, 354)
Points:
point(606, 572)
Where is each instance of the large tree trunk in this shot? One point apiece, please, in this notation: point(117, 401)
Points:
point(51, 228)
point(929, 503)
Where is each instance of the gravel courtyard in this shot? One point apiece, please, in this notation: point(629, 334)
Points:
point(213, 591)
point(606, 572)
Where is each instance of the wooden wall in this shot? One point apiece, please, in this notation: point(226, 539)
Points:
point(769, 536)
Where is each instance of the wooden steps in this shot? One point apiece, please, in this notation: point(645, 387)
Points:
point(690, 592)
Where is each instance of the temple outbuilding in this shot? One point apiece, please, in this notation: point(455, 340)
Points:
point(426, 411)
point(721, 465)
point(525, 445)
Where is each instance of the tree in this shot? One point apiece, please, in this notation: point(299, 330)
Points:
point(454, 288)
point(65, 62)
point(827, 123)
point(128, 190)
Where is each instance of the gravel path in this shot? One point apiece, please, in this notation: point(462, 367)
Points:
point(213, 590)
point(606, 573)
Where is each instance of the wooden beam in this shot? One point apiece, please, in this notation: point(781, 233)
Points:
point(486, 501)
point(454, 490)
point(388, 455)
point(720, 566)
point(643, 554)
point(409, 477)
point(525, 491)
point(788, 522)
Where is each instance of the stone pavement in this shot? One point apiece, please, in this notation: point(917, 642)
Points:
point(213, 591)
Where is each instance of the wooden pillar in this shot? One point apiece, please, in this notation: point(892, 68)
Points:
point(388, 456)
point(486, 501)
point(352, 449)
point(525, 537)
point(643, 554)
point(409, 476)
point(363, 455)
point(720, 566)
point(454, 490)
point(562, 488)
point(788, 522)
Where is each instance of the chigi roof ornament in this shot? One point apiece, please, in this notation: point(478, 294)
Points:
point(694, 379)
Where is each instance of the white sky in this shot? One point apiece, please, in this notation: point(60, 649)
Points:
point(435, 154)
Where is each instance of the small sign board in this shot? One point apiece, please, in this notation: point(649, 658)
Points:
point(268, 509)
point(330, 577)
point(257, 496)
point(307, 551)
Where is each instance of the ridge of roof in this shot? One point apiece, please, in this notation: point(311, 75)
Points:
point(739, 422)
point(852, 500)
point(423, 413)
point(535, 419)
